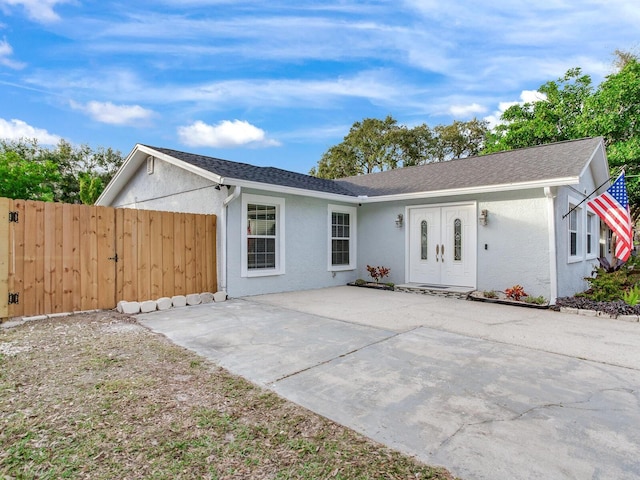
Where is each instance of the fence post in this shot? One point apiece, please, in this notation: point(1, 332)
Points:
point(4, 257)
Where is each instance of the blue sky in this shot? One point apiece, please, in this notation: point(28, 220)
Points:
point(278, 82)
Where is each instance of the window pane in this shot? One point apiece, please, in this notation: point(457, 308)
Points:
point(340, 225)
point(339, 252)
point(573, 219)
point(261, 253)
point(457, 239)
point(261, 219)
point(424, 241)
point(574, 243)
point(590, 229)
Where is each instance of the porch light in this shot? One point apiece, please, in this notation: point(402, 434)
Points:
point(483, 217)
point(399, 220)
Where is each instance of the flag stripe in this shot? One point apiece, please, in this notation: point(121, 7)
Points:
point(612, 207)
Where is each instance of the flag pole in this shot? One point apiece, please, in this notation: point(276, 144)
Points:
point(587, 197)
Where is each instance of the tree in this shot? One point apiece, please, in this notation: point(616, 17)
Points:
point(377, 145)
point(613, 112)
point(371, 145)
point(555, 117)
point(78, 168)
point(24, 179)
point(460, 139)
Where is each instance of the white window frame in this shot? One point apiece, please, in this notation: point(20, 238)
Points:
point(580, 231)
point(279, 204)
point(353, 221)
point(593, 229)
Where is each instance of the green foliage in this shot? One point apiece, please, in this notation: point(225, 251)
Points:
point(614, 113)
point(374, 145)
point(555, 117)
point(489, 294)
point(570, 108)
point(610, 286)
point(535, 300)
point(90, 188)
point(28, 180)
point(632, 296)
point(360, 281)
point(65, 173)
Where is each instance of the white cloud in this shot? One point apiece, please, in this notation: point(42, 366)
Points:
point(107, 112)
point(17, 129)
point(37, 10)
point(465, 111)
point(526, 96)
point(5, 52)
point(225, 134)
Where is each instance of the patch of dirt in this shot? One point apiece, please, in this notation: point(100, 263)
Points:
point(99, 396)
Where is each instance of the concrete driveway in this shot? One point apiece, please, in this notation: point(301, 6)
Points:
point(487, 391)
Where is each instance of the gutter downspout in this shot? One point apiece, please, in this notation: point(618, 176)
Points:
point(553, 268)
point(223, 234)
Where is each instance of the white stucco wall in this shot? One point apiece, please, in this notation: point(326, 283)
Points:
point(306, 249)
point(380, 242)
point(513, 248)
point(170, 188)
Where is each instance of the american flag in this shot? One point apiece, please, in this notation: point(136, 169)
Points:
point(613, 208)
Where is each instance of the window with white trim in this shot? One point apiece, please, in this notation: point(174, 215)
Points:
point(342, 237)
point(593, 239)
point(263, 235)
point(575, 231)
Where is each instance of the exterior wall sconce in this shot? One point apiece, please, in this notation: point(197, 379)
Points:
point(483, 217)
point(399, 220)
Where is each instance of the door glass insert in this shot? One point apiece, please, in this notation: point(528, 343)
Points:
point(457, 239)
point(424, 240)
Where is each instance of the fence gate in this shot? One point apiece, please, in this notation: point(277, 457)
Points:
point(58, 257)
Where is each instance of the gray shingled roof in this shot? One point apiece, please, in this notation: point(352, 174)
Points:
point(252, 173)
point(544, 162)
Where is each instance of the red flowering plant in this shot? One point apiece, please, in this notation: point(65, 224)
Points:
point(516, 292)
point(378, 273)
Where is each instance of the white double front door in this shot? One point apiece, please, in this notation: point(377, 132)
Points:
point(442, 245)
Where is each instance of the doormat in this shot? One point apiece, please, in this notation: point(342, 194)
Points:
point(433, 286)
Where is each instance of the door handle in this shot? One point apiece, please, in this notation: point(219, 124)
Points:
point(437, 252)
point(442, 252)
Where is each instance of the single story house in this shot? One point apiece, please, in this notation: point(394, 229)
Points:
point(480, 223)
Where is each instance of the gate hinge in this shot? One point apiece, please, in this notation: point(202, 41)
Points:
point(13, 217)
point(14, 298)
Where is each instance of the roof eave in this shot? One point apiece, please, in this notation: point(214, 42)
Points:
point(556, 182)
point(133, 161)
point(292, 190)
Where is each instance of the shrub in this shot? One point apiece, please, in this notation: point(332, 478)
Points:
point(516, 292)
point(632, 296)
point(378, 273)
point(609, 283)
point(535, 300)
point(489, 294)
point(360, 281)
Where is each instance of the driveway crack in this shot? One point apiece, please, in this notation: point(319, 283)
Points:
point(574, 405)
point(343, 355)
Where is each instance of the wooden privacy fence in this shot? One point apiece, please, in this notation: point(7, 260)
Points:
point(57, 257)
